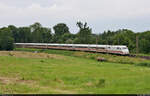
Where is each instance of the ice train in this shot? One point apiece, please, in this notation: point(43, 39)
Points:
point(112, 49)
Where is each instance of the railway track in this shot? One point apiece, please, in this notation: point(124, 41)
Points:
point(144, 57)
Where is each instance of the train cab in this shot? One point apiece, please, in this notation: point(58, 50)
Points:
point(123, 50)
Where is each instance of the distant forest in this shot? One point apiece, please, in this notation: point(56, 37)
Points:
point(36, 33)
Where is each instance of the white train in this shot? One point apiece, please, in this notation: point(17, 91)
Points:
point(114, 49)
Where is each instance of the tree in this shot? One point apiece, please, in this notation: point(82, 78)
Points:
point(40, 34)
point(6, 39)
point(144, 42)
point(24, 35)
point(84, 35)
point(36, 32)
point(46, 35)
point(35, 26)
point(14, 31)
point(144, 46)
point(60, 29)
point(67, 38)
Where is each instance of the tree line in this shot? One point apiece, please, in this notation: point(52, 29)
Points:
point(36, 33)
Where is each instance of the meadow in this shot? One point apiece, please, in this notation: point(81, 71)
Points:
point(69, 72)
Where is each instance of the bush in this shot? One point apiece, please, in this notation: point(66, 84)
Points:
point(101, 83)
point(143, 64)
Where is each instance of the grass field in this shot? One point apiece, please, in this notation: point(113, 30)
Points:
point(66, 72)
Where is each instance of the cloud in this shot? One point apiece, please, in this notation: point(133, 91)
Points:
point(95, 12)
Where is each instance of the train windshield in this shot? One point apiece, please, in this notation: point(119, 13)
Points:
point(124, 48)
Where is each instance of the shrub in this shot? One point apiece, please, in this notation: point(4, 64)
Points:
point(42, 61)
point(143, 64)
point(101, 83)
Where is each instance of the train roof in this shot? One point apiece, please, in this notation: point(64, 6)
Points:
point(82, 45)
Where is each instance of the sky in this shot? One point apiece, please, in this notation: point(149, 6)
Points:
point(101, 15)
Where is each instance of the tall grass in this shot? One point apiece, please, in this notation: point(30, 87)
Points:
point(75, 73)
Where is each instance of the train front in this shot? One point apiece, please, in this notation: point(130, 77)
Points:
point(125, 50)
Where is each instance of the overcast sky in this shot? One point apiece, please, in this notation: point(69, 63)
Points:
point(99, 14)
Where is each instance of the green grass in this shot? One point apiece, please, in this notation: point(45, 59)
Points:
point(110, 58)
point(143, 54)
point(71, 74)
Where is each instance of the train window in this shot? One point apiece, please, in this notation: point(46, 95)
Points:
point(103, 48)
point(100, 47)
point(118, 48)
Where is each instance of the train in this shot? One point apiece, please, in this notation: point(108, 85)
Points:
point(112, 49)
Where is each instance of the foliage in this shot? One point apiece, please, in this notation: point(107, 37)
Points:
point(61, 29)
point(146, 64)
point(36, 33)
point(61, 32)
point(24, 35)
point(40, 34)
point(84, 35)
point(144, 42)
point(6, 40)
